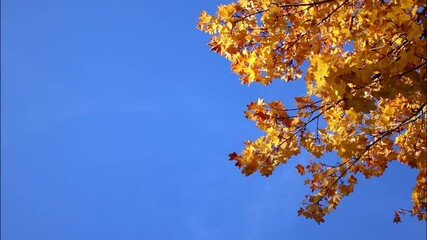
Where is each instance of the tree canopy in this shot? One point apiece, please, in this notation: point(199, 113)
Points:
point(366, 84)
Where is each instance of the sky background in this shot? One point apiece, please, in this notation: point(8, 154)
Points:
point(117, 121)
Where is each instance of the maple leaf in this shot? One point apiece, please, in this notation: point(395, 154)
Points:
point(396, 218)
point(300, 169)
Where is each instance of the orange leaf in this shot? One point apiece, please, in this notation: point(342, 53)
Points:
point(300, 169)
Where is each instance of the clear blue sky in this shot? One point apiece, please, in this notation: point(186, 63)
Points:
point(116, 123)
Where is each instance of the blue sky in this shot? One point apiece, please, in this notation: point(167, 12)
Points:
point(116, 123)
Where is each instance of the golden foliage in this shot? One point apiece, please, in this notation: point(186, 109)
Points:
point(366, 80)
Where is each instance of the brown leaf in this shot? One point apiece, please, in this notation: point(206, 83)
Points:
point(300, 169)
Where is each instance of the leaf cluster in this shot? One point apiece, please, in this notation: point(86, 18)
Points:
point(366, 81)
